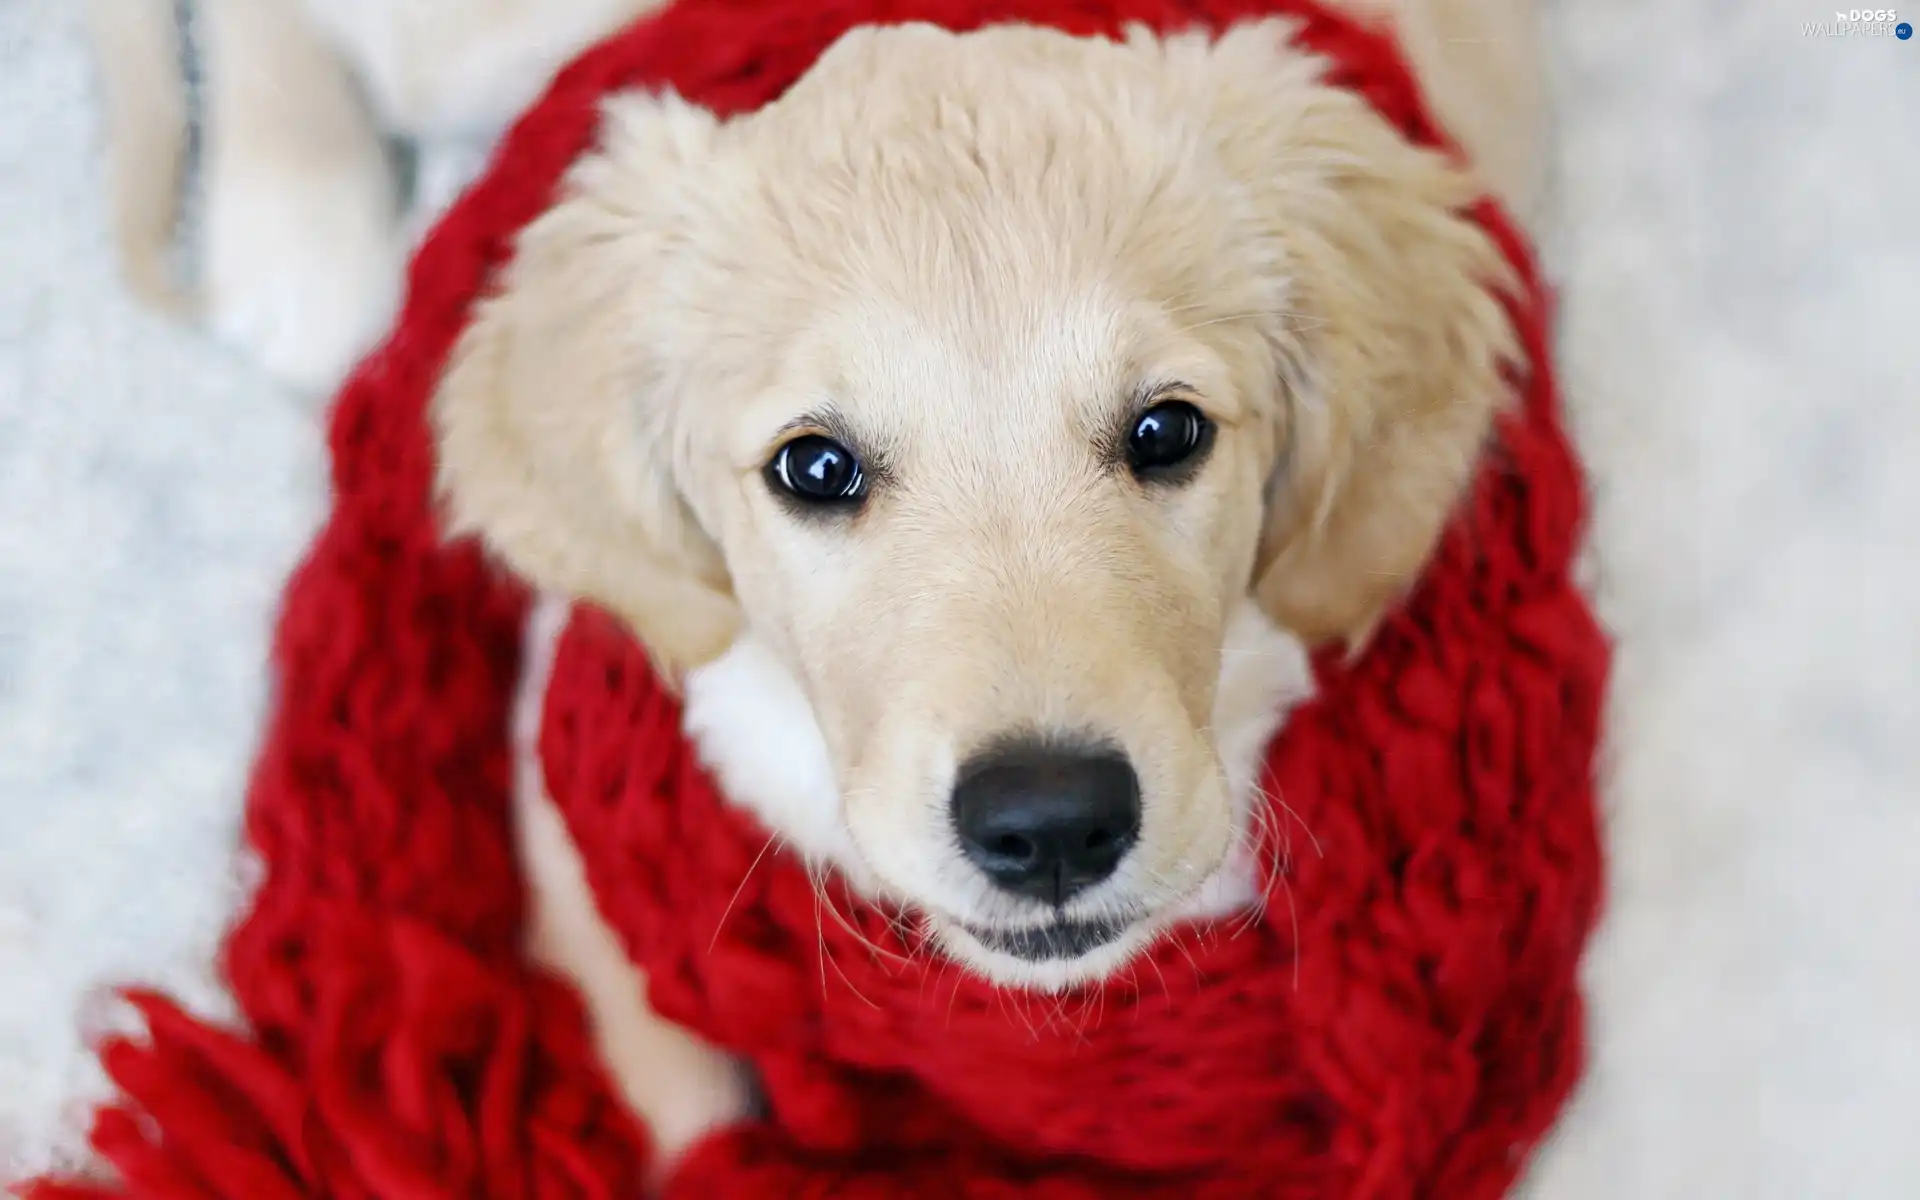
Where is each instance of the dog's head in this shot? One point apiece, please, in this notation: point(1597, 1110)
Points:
point(982, 378)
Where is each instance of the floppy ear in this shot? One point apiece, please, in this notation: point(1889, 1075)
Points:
point(1394, 342)
point(557, 420)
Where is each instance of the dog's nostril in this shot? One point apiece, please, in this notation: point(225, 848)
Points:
point(1013, 847)
point(1044, 821)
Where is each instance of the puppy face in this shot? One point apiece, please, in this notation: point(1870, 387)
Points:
point(1002, 580)
point(982, 378)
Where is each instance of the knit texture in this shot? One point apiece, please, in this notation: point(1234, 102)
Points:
point(1402, 1021)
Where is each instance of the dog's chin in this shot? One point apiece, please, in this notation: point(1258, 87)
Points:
point(1048, 958)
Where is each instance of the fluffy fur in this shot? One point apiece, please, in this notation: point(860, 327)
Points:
point(972, 255)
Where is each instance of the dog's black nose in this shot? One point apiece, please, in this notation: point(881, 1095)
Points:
point(1047, 822)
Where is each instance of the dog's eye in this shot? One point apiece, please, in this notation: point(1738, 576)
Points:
point(1166, 437)
point(818, 470)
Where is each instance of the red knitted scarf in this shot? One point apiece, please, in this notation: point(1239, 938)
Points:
point(1404, 1021)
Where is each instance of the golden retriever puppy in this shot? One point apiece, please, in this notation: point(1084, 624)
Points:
point(979, 434)
point(299, 227)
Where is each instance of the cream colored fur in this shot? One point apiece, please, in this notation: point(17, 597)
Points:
point(972, 251)
point(144, 114)
point(304, 239)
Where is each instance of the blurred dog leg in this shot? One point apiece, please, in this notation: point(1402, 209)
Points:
point(303, 252)
point(136, 50)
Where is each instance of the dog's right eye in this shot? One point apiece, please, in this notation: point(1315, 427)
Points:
point(818, 470)
point(1168, 440)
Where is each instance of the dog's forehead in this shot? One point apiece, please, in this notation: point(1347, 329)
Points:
point(999, 259)
point(1007, 149)
point(1025, 366)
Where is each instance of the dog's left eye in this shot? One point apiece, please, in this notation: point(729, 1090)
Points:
point(818, 470)
point(1167, 437)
